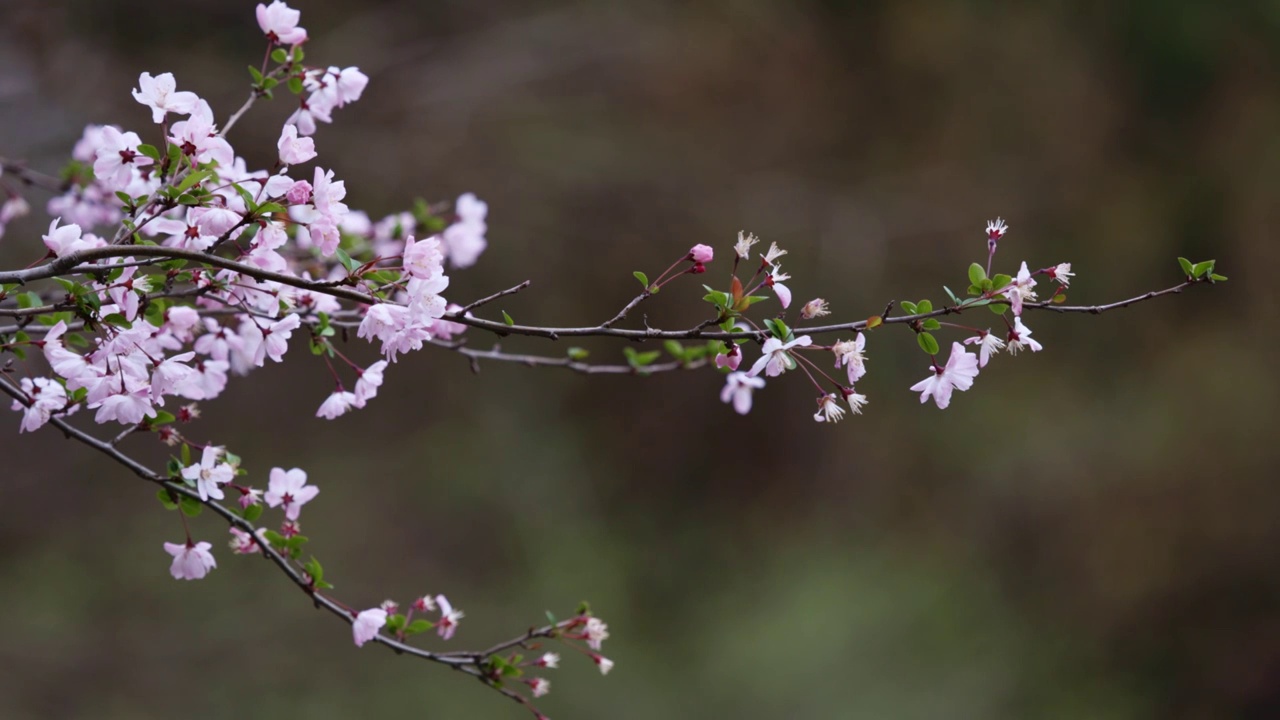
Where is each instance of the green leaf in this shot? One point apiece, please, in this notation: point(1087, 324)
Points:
point(1000, 281)
point(674, 348)
point(314, 569)
point(394, 623)
point(507, 318)
point(931, 324)
point(1201, 268)
point(256, 75)
point(577, 353)
point(346, 260)
point(977, 274)
point(192, 178)
point(418, 626)
point(778, 329)
point(273, 537)
point(186, 455)
point(998, 308)
point(190, 506)
point(1187, 267)
point(166, 499)
point(161, 418)
point(924, 307)
point(28, 300)
point(909, 307)
point(279, 55)
point(640, 359)
point(253, 512)
point(551, 618)
point(954, 300)
point(295, 85)
point(927, 343)
point(644, 279)
point(1217, 278)
point(117, 320)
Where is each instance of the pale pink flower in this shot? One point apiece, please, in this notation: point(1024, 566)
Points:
point(47, 396)
point(1020, 289)
point(774, 359)
point(367, 624)
point(336, 404)
point(449, 618)
point(424, 604)
point(773, 254)
point(738, 387)
point(369, 382)
point(775, 280)
point(424, 258)
point(815, 308)
point(293, 149)
point(280, 23)
point(290, 488)
point(597, 632)
point(1062, 273)
point(731, 359)
point(829, 409)
point(743, 246)
point(989, 343)
point(602, 662)
point(190, 562)
point(539, 686)
point(548, 660)
point(849, 354)
point(242, 543)
point(855, 400)
point(117, 157)
point(996, 229)
point(958, 374)
point(68, 239)
point(127, 408)
point(701, 253)
point(298, 193)
point(160, 94)
point(210, 473)
point(1020, 337)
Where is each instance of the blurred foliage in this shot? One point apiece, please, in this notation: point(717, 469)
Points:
point(1089, 532)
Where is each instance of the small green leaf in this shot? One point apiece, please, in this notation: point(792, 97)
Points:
point(166, 499)
point(279, 55)
point(931, 324)
point(976, 274)
point(418, 626)
point(346, 260)
point(1217, 278)
point(674, 348)
point(644, 279)
point(256, 75)
point(1000, 281)
point(186, 455)
point(150, 151)
point(161, 418)
point(577, 353)
point(507, 318)
point(314, 569)
point(551, 618)
point(924, 307)
point(1201, 268)
point(394, 623)
point(190, 506)
point(1187, 267)
point(998, 308)
point(927, 343)
point(954, 300)
point(295, 85)
point(909, 307)
point(253, 512)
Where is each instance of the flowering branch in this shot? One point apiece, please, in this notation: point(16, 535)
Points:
point(211, 268)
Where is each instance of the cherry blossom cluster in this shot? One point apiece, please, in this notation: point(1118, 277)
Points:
point(170, 267)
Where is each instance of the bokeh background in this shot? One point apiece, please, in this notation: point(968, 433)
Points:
point(1091, 532)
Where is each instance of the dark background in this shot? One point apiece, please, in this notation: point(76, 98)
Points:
point(1089, 532)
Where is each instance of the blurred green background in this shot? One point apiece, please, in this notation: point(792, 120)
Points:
point(1091, 532)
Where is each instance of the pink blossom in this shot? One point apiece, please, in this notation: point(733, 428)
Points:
point(160, 94)
point(849, 354)
point(117, 157)
point(996, 229)
point(731, 359)
point(424, 604)
point(775, 360)
point(597, 632)
point(960, 370)
point(423, 259)
point(293, 149)
point(172, 377)
point(336, 404)
point(829, 409)
point(280, 23)
point(242, 543)
point(46, 396)
point(198, 137)
point(333, 87)
point(604, 663)
point(367, 624)
point(775, 280)
point(549, 660)
point(449, 618)
point(539, 686)
point(369, 382)
point(290, 488)
point(465, 239)
point(815, 308)
point(1020, 337)
point(210, 473)
point(738, 387)
point(701, 253)
point(990, 345)
point(190, 562)
point(127, 408)
point(67, 239)
point(299, 193)
point(1020, 289)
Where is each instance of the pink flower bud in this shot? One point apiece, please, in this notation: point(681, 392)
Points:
point(697, 269)
point(299, 193)
point(701, 253)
